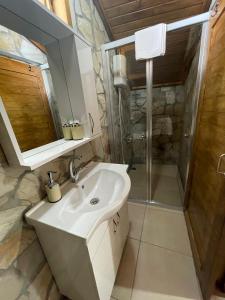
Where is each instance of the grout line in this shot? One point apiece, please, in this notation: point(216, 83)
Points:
point(142, 241)
point(168, 249)
point(132, 286)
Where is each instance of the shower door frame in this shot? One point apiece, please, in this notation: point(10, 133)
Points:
point(114, 45)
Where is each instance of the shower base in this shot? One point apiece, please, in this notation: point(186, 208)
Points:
point(166, 185)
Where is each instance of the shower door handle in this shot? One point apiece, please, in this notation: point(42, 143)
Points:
point(187, 135)
point(219, 171)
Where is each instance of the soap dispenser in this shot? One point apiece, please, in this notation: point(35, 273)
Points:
point(53, 189)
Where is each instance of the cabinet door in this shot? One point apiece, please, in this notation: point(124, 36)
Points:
point(107, 258)
point(121, 219)
point(103, 263)
point(89, 87)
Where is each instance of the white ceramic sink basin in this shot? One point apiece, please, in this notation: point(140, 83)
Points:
point(99, 194)
point(96, 192)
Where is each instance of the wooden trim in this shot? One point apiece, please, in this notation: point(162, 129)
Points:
point(39, 46)
point(104, 20)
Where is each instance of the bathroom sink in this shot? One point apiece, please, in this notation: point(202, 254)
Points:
point(96, 192)
point(98, 195)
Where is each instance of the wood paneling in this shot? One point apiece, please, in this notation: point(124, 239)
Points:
point(142, 13)
point(126, 17)
point(23, 93)
point(206, 197)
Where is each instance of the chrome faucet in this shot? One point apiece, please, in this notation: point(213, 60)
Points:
point(74, 172)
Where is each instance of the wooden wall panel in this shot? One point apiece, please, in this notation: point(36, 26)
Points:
point(206, 189)
point(23, 93)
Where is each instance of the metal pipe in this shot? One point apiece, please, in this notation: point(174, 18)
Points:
point(121, 124)
point(170, 27)
point(149, 95)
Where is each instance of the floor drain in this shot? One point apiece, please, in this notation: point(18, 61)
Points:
point(94, 201)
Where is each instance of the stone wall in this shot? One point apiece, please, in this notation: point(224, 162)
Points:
point(168, 109)
point(24, 273)
point(87, 22)
point(16, 44)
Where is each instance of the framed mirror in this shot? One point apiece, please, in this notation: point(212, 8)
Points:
point(40, 84)
point(27, 91)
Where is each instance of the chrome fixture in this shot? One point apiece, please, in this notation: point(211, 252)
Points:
point(129, 139)
point(74, 172)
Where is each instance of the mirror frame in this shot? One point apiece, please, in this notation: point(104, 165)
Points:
point(34, 21)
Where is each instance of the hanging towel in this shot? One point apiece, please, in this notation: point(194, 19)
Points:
point(162, 126)
point(150, 42)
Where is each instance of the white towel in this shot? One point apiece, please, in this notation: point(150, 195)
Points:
point(150, 42)
point(162, 125)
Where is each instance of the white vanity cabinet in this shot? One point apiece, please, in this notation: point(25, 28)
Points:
point(105, 252)
point(86, 268)
point(85, 60)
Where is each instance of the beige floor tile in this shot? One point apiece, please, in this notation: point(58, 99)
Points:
point(136, 216)
point(164, 275)
point(165, 189)
point(166, 228)
point(138, 183)
point(165, 184)
point(167, 170)
point(125, 276)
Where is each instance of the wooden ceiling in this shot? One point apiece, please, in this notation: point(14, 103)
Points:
point(123, 17)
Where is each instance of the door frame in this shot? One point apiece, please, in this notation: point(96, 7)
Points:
point(208, 274)
point(114, 45)
point(202, 63)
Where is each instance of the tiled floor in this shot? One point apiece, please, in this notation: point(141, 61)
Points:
point(157, 263)
point(165, 184)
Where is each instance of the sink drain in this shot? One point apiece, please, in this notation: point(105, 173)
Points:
point(94, 201)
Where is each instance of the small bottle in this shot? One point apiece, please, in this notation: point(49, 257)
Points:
point(77, 131)
point(53, 189)
point(67, 131)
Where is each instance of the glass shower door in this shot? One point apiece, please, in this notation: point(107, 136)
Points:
point(127, 111)
point(138, 167)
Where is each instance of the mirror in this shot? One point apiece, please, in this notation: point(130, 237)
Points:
point(27, 92)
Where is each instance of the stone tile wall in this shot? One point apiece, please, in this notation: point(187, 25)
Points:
point(16, 44)
point(24, 272)
point(168, 110)
point(87, 22)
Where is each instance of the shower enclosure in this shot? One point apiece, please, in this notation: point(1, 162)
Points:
point(151, 125)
